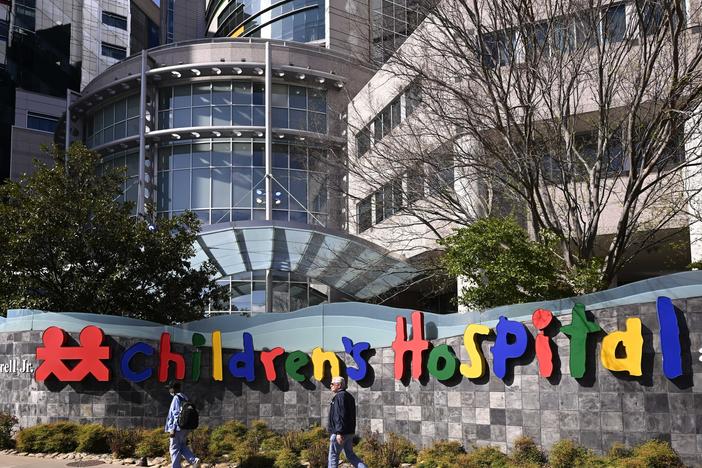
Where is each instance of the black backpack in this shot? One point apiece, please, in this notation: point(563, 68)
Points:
point(188, 418)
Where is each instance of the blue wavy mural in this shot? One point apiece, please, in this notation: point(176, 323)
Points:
point(324, 325)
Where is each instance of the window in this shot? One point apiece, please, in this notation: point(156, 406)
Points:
point(4, 30)
point(413, 97)
point(364, 214)
point(114, 51)
point(652, 16)
point(45, 123)
point(114, 20)
point(498, 48)
point(25, 16)
point(614, 23)
point(363, 141)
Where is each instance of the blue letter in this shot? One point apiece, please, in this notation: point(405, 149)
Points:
point(241, 364)
point(670, 338)
point(355, 351)
point(127, 372)
point(504, 350)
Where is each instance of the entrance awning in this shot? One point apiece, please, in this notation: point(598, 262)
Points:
point(350, 264)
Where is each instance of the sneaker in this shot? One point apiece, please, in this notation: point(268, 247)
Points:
point(196, 463)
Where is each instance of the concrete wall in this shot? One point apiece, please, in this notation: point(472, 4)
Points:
point(597, 411)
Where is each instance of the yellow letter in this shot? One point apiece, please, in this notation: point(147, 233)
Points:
point(217, 355)
point(633, 345)
point(319, 357)
point(476, 369)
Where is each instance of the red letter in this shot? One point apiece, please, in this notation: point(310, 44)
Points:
point(165, 356)
point(541, 319)
point(267, 358)
point(417, 346)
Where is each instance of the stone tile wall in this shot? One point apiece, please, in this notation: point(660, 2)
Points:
point(596, 411)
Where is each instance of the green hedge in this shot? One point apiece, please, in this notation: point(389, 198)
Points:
point(257, 446)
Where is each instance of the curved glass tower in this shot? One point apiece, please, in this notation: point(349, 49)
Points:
point(289, 20)
point(243, 134)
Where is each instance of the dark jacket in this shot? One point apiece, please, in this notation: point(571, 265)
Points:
point(342, 413)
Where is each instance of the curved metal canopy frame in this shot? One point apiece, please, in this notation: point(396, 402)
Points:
point(348, 263)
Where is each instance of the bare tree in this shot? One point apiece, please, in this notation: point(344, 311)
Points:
point(581, 116)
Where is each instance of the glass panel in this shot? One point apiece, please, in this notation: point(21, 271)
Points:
point(280, 156)
point(298, 189)
point(220, 187)
point(181, 194)
point(280, 186)
point(201, 116)
point(242, 154)
point(120, 130)
point(279, 96)
point(241, 187)
point(181, 96)
point(133, 106)
point(133, 126)
point(298, 296)
point(203, 216)
point(109, 117)
point(298, 97)
point(298, 217)
point(164, 98)
point(181, 157)
point(258, 154)
point(241, 93)
point(317, 100)
point(259, 189)
point(220, 216)
point(181, 118)
point(298, 119)
point(164, 158)
point(259, 116)
point(241, 215)
point(258, 298)
point(221, 155)
point(258, 94)
point(281, 302)
point(132, 164)
point(221, 115)
point(298, 157)
point(201, 94)
point(221, 93)
point(318, 122)
point(318, 294)
point(279, 117)
point(201, 155)
point(201, 188)
point(241, 115)
point(317, 193)
point(163, 198)
point(241, 296)
point(164, 120)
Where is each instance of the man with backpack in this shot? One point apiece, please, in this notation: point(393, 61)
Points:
point(182, 417)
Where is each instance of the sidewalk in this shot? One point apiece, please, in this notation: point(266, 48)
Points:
point(12, 461)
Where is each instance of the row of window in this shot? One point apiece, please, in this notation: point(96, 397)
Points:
point(43, 122)
point(392, 21)
point(224, 180)
point(117, 120)
point(389, 118)
point(113, 51)
point(564, 34)
point(242, 103)
point(114, 20)
point(405, 190)
point(295, 20)
point(387, 201)
point(25, 15)
point(290, 292)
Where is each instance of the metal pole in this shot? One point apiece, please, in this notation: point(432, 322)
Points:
point(68, 121)
point(142, 136)
point(269, 165)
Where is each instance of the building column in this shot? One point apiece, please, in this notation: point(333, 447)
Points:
point(693, 184)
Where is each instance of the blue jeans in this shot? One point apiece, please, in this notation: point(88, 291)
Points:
point(335, 450)
point(179, 447)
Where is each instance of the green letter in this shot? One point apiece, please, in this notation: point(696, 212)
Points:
point(577, 331)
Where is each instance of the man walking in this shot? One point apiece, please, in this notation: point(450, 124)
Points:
point(179, 437)
point(342, 425)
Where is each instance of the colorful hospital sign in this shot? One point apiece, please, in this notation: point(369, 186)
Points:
point(415, 356)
